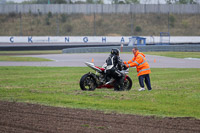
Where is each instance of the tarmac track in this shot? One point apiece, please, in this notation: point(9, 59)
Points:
point(77, 60)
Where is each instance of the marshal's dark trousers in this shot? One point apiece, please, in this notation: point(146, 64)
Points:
point(145, 78)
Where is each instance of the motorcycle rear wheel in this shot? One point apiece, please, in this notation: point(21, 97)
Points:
point(87, 83)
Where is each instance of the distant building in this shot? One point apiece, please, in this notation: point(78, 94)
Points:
point(75, 1)
point(165, 1)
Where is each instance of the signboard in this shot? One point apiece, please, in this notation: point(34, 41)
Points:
point(64, 39)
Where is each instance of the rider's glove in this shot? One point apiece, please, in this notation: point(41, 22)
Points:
point(125, 67)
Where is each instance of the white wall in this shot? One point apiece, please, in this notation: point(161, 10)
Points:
point(63, 39)
point(94, 39)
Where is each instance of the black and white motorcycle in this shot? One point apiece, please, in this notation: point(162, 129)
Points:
point(90, 81)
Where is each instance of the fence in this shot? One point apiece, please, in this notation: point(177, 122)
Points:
point(99, 8)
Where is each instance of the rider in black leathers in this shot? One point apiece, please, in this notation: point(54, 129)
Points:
point(114, 66)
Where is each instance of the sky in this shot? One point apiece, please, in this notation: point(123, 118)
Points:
point(109, 1)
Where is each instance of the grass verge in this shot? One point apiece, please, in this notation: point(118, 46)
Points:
point(175, 92)
point(12, 55)
point(176, 54)
point(14, 58)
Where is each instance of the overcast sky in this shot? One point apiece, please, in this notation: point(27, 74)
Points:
point(141, 1)
point(109, 1)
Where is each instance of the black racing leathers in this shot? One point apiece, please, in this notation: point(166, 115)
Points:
point(114, 66)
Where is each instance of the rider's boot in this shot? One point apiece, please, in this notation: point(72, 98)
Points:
point(121, 83)
point(111, 80)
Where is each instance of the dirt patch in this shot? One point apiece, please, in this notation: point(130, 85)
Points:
point(25, 118)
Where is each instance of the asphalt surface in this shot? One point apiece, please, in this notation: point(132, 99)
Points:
point(77, 60)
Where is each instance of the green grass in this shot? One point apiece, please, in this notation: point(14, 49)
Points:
point(176, 54)
point(176, 92)
point(12, 55)
point(14, 58)
point(105, 25)
point(167, 54)
point(173, 54)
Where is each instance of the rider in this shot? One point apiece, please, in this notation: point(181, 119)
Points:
point(114, 66)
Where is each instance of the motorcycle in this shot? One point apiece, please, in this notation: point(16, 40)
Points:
point(91, 81)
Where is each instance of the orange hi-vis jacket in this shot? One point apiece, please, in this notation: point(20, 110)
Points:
point(139, 61)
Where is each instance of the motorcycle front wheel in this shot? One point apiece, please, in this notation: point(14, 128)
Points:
point(127, 83)
point(87, 83)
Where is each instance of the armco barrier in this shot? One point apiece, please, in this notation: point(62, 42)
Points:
point(178, 48)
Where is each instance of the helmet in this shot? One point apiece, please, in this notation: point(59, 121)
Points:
point(115, 51)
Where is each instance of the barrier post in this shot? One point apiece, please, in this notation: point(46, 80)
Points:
point(122, 45)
